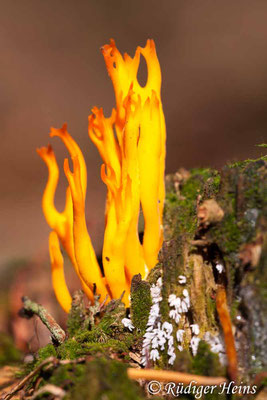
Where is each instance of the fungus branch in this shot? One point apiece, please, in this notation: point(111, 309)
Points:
point(225, 319)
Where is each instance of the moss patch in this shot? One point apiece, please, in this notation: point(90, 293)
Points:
point(106, 379)
point(140, 303)
point(206, 362)
point(181, 203)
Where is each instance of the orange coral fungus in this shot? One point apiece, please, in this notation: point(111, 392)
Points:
point(58, 279)
point(131, 143)
point(225, 319)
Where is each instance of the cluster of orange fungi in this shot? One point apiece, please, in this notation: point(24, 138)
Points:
point(131, 143)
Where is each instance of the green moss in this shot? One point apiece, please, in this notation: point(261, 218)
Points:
point(45, 352)
point(88, 336)
point(76, 315)
point(68, 376)
point(154, 274)
point(242, 198)
point(195, 184)
point(140, 303)
point(101, 378)
point(110, 347)
point(70, 349)
point(180, 215)
point(229, 233)
point(100, 338)
point(180, 212)
point(206, 362)
point(9, 354)
point(211, 310)
point(216, 182)
point(244, 163)
point(106, 379)
point(183, 361)
point(109, 326)
point(171, 197)
point(234, 308)
point(172, 267)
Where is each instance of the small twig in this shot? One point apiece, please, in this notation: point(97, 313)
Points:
point(21, 384)
point(135, 357)
point(52, 389)
point(172, 376)
point(47, 362)
point(102, 305)
point(75, 361)
point(30, 308)
point(93, 310)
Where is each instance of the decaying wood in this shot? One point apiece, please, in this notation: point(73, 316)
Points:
point(209, 213)
point(219, 234)
point(215, 228)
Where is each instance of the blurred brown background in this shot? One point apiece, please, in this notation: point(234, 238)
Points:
point(213, 56)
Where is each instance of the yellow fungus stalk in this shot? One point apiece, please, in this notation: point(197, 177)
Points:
point(131, 143)
point(61, 222)
point(58, 278)
point(151, 146)
point(84, 252)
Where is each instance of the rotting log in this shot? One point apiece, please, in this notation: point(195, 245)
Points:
point(215, 236)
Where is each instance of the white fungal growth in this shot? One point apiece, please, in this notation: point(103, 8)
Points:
point(153, 338)
point(194, 344)
point(127, 323)
point(154, 355)
point(195, 329)
point(181, 279)
point(172, 359)
point(174, 301)
point(175, 315)
point(160, 335)
point(181, 305)
point(157, 335)
point(155, 294)
point(216, 346)
point(167, 327)
point(179, 335)
point(219, 268)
